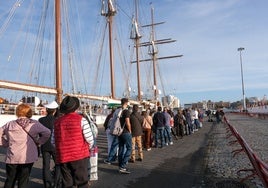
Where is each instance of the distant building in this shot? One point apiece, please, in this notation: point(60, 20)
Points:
point(253, 101)
point(31, 100)
point(200, 105)
point(205, 105)
point(188, 106)
point(210, 105)
point(222, 104)
point(171, 101)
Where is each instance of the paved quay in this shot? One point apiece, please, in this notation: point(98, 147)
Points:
point(220, 162)
point(178, 165)
point(203, 159)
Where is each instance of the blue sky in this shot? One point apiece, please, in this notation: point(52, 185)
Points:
point(208, 34)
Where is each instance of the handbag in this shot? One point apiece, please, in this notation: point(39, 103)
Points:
point(93, 164)
point(93, 160)
point(38, 147)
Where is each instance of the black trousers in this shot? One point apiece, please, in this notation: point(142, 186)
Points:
point(47, 176)
point(75, 173)
point(20, 172)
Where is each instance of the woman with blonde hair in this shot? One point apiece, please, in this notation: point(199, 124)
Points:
point(21, 137)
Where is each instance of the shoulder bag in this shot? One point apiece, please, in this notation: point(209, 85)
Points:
point(38, 147)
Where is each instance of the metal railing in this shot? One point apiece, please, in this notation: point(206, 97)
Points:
point(260, 168)
point(254, 114)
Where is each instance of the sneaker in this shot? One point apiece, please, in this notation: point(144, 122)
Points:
point(124, 171)
point(107, 162)
point(149, 149)
point(171, 143)
point(139, 159)
point(131, 161)
point(113, 162)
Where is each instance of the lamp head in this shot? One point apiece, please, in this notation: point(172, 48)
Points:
point(240, 49)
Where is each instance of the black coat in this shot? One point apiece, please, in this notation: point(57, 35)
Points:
point(48, 122)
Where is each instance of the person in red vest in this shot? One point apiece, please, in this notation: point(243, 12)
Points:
point(72, 140)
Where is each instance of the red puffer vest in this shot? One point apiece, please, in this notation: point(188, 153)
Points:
point(69, 139)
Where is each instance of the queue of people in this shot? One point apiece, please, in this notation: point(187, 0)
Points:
point(147, 129)
point(69, 138)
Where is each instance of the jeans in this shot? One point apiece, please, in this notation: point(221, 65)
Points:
point(113, 150)
point(160, 132)
point(168, 137)
point(190, 127)
point(125, 147)
point(196, 124)
point(187, 129)
point(110, 138)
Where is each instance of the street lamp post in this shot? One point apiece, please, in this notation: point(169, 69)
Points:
point(243, 90)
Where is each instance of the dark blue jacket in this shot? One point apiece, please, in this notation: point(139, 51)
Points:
point(159, 119)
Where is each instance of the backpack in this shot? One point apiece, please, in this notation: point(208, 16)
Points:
point(114, 123)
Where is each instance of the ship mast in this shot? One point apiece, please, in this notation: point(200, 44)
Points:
point(137, 40)
point(153, 54)
point(57, 90)
point(58, 55)
point(153, 51)
point(136, 36)
point(109, 11)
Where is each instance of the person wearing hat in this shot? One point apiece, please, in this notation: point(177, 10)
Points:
point(48, 149)
point(73, 139)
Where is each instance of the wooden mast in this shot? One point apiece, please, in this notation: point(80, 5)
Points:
point(109, 15)
point(58, 58)
point(57, 91)
point(137, 42)
point(153, 52)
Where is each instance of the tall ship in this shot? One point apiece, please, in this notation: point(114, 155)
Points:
point(50, 49)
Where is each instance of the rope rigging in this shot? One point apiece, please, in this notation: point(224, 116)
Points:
point(70, 52)
point(39, 46)
point(161, 79)
point(99, 58)
point(10, 16)
point(83, 72)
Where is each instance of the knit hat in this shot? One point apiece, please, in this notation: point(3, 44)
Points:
point(69, 104)
point(52, 105)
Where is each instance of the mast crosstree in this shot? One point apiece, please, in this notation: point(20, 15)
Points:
point(152, 44)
